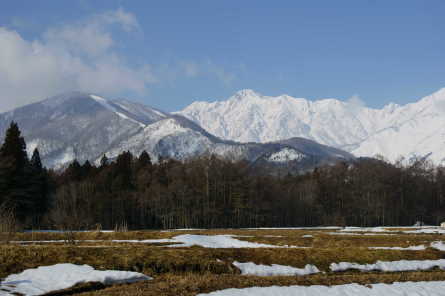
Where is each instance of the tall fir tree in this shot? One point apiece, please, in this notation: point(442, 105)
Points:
point(104, 161)
point(14, 178)
point(39, 187)
point(144, 161)
point(14, 147)
point(36, 162)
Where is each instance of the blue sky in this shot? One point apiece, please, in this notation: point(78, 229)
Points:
point(171, 53)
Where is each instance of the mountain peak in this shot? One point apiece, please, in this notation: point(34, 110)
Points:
point(245, 94)
point(65, 97)
point(436, 96)
point(388, 131)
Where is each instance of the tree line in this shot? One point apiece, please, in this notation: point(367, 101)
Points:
point(212, 192)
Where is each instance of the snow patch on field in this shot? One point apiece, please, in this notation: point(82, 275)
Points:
point(297, 228)
point(365, 229)
point(438, 246)
point(430, 230)
point(395, 289)
point(186, 240)
point(360, 234)
point(207, 241)
point(390, 266)
point(250, 268)
point(46, 279)
point(411, 248)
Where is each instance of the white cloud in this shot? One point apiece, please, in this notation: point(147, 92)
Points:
point(190, 69)
point(84, 56)
point(78, 56)
point(355, 103)
point(222, 74)
point(92, 37)
point(171, 72)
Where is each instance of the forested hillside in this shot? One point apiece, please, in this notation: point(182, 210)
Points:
point(209, 192)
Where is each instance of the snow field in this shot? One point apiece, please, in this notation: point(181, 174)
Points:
point(46, 279)
point(390, 266)
point(411, 248)
point(207, 241)
point(402, 242)
point(250, 268)
point(438, 246)
point(395, 289)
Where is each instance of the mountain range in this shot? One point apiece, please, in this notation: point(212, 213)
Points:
point(394, 131)
point(85, 126)
point(279, 130)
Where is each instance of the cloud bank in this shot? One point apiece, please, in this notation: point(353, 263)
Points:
point(80, 56)
point(84, 56)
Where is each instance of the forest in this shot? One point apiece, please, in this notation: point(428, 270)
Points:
point(132, 192)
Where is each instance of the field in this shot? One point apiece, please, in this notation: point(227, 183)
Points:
point(188, 269)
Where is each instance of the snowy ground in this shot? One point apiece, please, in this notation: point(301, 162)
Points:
point(395, 289)
point(208, 241)
point(390, 266)
point(186, 240)
point(294, 252)
point(46, 279)
point(250, 268)
point(411, 248)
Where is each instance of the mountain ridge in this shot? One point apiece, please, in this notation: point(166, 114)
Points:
point(251, 117)
point(85, 126)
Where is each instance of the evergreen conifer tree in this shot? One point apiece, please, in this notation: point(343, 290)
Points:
point(14, 147)
point(14, 178)
point(38, 186)
point(36, 162)
point(104, 161)
point(144, 160)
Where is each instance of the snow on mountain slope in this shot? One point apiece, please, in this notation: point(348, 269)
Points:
point(77, 125)
point(286, 154)
point(86, 126)
point(393, 131)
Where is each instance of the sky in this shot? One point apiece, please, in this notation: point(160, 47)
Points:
point(168, 54)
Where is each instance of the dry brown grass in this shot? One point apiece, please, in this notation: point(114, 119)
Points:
point(192, 284)
point(189, 270)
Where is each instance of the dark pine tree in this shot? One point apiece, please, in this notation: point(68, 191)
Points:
point(14, 147)
point(36, 162)
point(74, 172)
point(14, 168)
point(39, 186)
point(123, 171)
point(144, 161)
point(104, 161)
point(87, 168)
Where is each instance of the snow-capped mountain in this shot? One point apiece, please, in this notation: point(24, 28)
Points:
point(393, 131)
point(85, 126)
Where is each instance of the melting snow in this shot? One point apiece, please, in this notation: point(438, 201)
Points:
point(188, 240)
point(430, 230)
point(411, 248)
point(390, 266)
point(250, 268)
point(438, 246)
point(297, 228)
point(395, 289)
point(207, 241)
point(364, 229)
point(46, 279)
